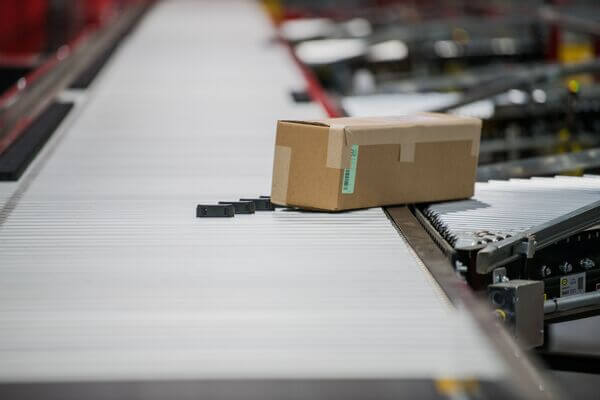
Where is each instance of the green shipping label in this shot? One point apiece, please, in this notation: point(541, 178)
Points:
point(350, 173)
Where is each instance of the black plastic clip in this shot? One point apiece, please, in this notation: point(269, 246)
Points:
point(212, 210)
point(241, 207)
point(301, 96)
point(262, 204)
point(269, 198)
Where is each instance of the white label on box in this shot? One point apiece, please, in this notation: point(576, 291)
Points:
point(349, 176)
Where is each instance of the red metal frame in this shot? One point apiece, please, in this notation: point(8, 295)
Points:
point(23, 26)
point(14, 91)
point(99, 14)
point(9, 95)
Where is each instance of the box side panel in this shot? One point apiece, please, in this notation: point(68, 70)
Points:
point(439, 171)
point(281, 171)
point(308, 182)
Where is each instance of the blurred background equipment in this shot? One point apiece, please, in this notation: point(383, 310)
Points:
point(48, 46)
point(528, 69)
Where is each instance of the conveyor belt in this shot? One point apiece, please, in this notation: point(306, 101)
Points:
point(501, 209)
point(105, 273)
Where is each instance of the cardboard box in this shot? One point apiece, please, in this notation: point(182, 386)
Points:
point(346, 163)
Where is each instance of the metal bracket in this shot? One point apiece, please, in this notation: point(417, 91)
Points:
point(534, 239)
point(499, 275)
point(527, 248)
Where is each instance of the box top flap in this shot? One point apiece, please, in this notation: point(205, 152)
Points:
point(402, 121)
point(312, 123)
point(405, 130)
point(424, 127)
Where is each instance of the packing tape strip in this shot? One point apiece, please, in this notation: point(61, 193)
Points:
point(281, 174)
point(342, 138)
point(338, 152)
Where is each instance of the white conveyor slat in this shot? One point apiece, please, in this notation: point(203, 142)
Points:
point(105, 273)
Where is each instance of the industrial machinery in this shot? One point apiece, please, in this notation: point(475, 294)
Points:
point(509, 219)
point(539, 229)
point(529, 72)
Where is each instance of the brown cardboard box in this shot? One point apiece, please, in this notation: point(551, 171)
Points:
point(345, 163)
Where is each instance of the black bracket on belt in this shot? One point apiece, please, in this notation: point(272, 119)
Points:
point(241, 207)
point(262, 203)
point(212, 210)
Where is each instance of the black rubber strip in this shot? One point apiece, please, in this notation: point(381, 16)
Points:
point(248, 389)
point(16, 158)
point(574, 362)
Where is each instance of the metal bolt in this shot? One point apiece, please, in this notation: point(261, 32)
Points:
point(587, 263)
point(565, 267)
point(499, 275)
point(460, 267)
point(545, 271)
